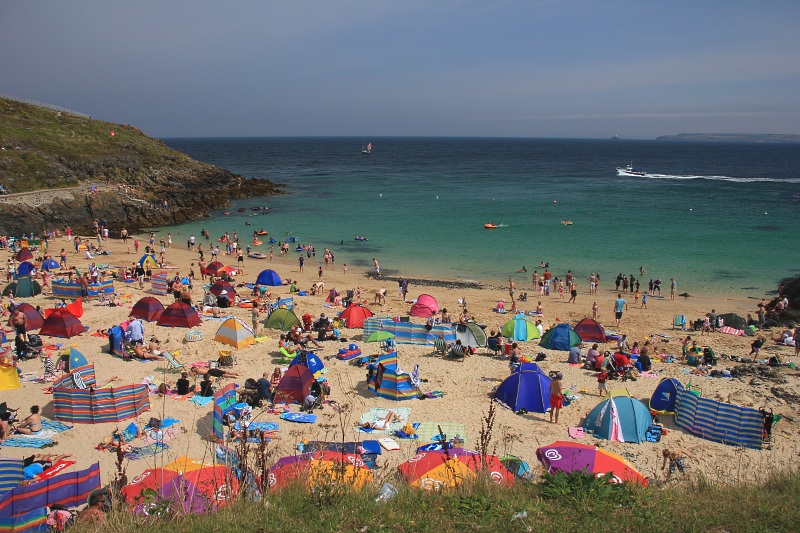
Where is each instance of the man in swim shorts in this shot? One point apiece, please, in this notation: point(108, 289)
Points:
point(620, 305)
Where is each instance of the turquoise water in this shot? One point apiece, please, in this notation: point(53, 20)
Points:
point(718, 217)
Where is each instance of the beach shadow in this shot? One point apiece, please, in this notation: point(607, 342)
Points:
point(204, 427)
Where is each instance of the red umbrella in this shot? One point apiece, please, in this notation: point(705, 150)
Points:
point(320, 468)
point(222, 285)
point(24, 254)
point(179, 315)
point(436, 469)
point(212, 269)
point(35, 320)
point(151, 479)
point(148, 308)
point(61, 323)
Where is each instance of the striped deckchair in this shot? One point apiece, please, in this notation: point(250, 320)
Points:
point(172, 363)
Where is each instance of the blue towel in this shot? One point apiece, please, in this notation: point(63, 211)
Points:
point(143, 452)
point(55, 425)
point(130, 432)
point(167, 422)
point(26, 442)
point(201, 400)
point(260, 426)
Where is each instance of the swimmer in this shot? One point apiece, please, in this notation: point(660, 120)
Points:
point(523, 269)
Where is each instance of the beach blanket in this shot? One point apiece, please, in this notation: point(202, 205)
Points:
point(260, 426)
point(55, 425)
point(18, 441)
point(159, 436)
point(731, 331)
point(377, 413)
point(429, 431)
point(201, 400)
point(54, 470)
point(136, 453)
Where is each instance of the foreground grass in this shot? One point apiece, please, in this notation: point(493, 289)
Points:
point(770, 506)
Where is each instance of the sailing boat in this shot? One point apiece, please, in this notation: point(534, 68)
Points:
point(366, 150)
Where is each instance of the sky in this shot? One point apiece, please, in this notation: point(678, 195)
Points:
point(529, 68)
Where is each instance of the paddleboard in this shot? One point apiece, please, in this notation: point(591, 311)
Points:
point(303, 418)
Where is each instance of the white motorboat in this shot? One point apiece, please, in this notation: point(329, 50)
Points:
point(630, 171)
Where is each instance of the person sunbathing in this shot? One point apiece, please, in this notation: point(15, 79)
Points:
point(214, 372)
point(382, 424)
point(140, 352)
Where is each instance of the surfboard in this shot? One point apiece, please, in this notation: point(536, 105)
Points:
point(302, 418)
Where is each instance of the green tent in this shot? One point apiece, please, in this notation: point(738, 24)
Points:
point(520, 328)
point(561, 337)
point(24, 287)
point(282, 319)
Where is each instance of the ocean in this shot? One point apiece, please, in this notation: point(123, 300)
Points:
point(720, 218)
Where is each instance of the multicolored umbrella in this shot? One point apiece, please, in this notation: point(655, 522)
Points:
point(222, 285)
point(563, 456)
point(228, 270)
point(234, 333)
point(150, 480)
point(62, 323)
point(196, 491)
point(34, 318)
point(148, 308)
point(24, 254)
point(319, 469)
point(212, 269)
point(439, 469)
point(179, 315)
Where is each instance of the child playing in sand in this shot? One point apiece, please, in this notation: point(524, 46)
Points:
point(675, 458)
point(602, 378)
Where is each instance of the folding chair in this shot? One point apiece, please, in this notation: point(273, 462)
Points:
point(172, 363)
point(679, 321)
point(493, 345)
point(226, 358)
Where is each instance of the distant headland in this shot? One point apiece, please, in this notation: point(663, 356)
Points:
point(733, 137)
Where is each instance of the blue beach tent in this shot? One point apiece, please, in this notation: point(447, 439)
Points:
point(665, 395)
point(311, 361)
point(269, 277)
point(25, 268)
point(51, 264)
point(619, 419)
point(528, 387)
point(116, 336)
point(562, 337)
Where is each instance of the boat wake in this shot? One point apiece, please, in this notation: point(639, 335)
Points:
point(721, 178)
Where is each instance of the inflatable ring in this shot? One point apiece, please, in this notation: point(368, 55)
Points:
point(193, 335)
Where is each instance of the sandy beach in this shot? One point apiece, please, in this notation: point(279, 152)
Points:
point(466, 385)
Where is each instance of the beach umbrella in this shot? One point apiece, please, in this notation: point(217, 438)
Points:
point(51, 264)
point(61, 323)
point(379, 336)
point(228, 270)
point(149, 480)
point(34, 318)
point(192, 492)
point(563, 456)
point(76, 359)
point(25, 268)
point(354, 316)
point(436, 469)
point(425, 306)
point(148, 308)
point(319, 469)
point(222, 285)
point(520, 328)
point(186, 464)
point(24, 254)
point(269, 277)
point(212, 269)
point(179, 315)
point(234, 333)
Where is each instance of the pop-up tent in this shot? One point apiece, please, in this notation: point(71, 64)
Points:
point(50, 264)
point(222, 285)
point(234, 332)
point(148, 308)
point(92, 406)
point(562, 337)
point(62, 323)
point(148, 261)
point(25, 268)
point(665, 395)
point(24, 254)
point(282, 319)
point(116, 337)
point(268, 277)
point(23, 287)
point(528, 387)
point(311, 361)
point(179, 315)
point(425, 306)
point(34, 319)
point(294, 385)
point(213, 268)
point(520, 328)
point(471, 334)
point(619, 419)
point(589, 330)
point(355, 315)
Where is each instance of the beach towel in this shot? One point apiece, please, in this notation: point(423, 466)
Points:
point(54, 425)
point(17, 441)
point(260, 426)
point(731, 331)
point(404, 434)
point(575, 432)
point(159, 436)
point(429, 431)
point(136, 453)
point(201, 400)
point(54, 470)
point(377, 413)
point(649, 374)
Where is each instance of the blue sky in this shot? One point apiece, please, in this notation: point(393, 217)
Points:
point(637, 69)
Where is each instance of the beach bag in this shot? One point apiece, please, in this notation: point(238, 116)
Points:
point(653, 433)
point(154, 423)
